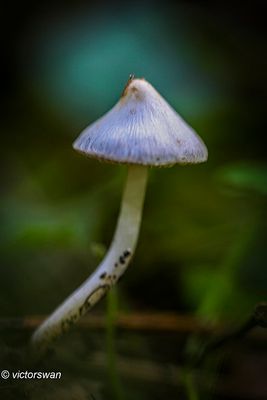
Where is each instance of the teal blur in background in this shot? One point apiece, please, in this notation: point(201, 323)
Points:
point(202, 246)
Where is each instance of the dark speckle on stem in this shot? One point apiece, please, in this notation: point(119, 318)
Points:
point(68, 322)
point(86, 305)
point(124, 255)
point(103, 275)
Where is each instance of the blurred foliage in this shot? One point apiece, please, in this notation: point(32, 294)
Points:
point(202, 245)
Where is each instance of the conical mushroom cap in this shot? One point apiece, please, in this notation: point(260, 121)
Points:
point(142, 128)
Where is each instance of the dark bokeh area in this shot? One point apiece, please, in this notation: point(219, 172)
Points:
point(202, 246)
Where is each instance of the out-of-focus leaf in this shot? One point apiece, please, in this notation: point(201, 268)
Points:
point(37, 225)
point(245, 177)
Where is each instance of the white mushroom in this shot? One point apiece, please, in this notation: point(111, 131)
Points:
point(141, 130)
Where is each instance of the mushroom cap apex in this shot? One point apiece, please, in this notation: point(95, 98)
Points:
point(142, 128)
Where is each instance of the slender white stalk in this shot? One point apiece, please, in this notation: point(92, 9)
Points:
point(110, 269)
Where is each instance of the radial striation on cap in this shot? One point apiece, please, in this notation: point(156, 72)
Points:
point(142, 128)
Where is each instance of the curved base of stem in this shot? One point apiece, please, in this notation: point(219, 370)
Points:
point(110, 269)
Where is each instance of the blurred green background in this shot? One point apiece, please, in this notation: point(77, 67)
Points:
point(202, 247)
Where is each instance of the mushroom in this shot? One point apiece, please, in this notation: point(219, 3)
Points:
point(142, 130)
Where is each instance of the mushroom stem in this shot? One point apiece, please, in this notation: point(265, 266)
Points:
point(110, 269)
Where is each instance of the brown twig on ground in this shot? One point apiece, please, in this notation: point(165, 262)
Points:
point(166, 321)
point(153, 322)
